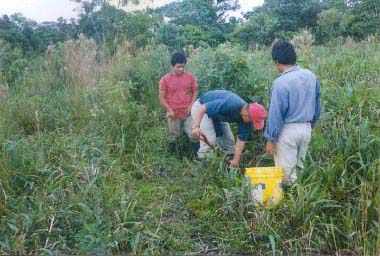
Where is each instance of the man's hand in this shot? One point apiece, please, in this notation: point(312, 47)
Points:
point(196, 132)
point(234, 163)
point(239, 147)
point(270, 148)
point(170, 114)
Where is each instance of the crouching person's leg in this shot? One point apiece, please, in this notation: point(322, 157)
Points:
point(226, 141)
point(207, 129)
point(187, 128)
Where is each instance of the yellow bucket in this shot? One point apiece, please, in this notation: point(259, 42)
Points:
point(266, 184)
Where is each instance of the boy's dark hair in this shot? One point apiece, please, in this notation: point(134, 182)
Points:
point(178, 58)
point(283, 53)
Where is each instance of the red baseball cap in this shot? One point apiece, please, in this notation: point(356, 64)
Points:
point(257, 114)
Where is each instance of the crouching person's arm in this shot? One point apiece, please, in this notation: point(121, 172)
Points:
point(239, 147)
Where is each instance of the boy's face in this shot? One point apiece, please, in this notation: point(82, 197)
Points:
point(179, 69)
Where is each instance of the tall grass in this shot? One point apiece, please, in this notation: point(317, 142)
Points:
point(84, 167)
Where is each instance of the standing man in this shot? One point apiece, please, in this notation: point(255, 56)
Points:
point(178, 91)
point(294, 109)
point(213, 112)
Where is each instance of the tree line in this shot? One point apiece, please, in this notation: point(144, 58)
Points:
point(186, 23)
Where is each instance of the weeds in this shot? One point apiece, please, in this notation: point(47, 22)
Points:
point(85, 170)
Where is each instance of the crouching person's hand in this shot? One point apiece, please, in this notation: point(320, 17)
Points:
point(196, 132)
point(234, 163)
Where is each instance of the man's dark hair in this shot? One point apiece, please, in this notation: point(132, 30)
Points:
point(178, 58)
point(283, 53)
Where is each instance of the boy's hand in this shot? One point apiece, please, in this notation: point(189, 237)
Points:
point(170, 114)
point(188, 110)
point(270, 148)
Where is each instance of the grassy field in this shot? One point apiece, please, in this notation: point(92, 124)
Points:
point(85, 170)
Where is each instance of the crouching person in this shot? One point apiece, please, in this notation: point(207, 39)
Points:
point(213, 112)
point(178, 91)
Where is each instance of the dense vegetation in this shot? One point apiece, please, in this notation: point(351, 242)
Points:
point(84, 165)
point(186, 23)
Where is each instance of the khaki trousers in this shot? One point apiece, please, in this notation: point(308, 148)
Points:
point(226, 142)
point(291, 149)
point(178, 126)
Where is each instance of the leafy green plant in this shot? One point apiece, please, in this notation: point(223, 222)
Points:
point(85, 170)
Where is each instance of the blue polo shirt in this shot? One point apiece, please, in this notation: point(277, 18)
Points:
point(225, 106)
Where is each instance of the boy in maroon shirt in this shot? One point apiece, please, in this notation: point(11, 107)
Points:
point(178, 92)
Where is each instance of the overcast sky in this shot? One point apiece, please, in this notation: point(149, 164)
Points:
point(50, 10)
